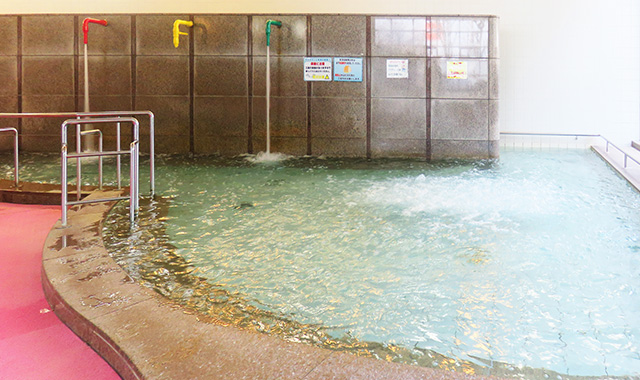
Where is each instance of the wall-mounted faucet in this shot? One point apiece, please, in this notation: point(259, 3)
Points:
point(177, 32)
point(85, 30)
point(85, 26)
point(269, 23)
point(268, 75)
point(89, 142)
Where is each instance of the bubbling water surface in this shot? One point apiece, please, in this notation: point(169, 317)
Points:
point(530, 260)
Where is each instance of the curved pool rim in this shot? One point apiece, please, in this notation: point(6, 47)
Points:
point(143, 335)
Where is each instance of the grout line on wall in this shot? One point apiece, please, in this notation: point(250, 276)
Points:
point(134, 89)
point(489, 91)
point(76, 65)
point(250, 85)
point(428, 93)
point(368, 84)
point(191, 89)
point(19, 78)
point(309, 85)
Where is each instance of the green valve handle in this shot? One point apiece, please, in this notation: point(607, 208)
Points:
point(269, 23)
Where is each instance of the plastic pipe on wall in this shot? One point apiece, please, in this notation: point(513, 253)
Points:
point(177, 32)
point(269, 23)
point(268, 75)
point(90, 143)
point(85, 30)
point(85, 27)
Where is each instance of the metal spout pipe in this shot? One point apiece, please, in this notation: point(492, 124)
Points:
point(268, 90)
point(85, 29)
point(177, 32)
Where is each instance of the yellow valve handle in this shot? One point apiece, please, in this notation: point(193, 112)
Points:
point(177, 32)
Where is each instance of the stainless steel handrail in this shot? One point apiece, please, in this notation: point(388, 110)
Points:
point(607, 142)
point(102, 114)
point(16, 177)
point(134, 152)
point(547, 134)
point(100, 146)
point(626, 156)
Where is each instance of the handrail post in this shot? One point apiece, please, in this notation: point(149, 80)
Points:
point(132, 182)
point(152, 165)
point(78, 163)
point(16, 175)
point(136, 139)
point(626, 156)
point(79, 115)
point(63, 191)
point(15, 159)
point(118, 159)
point(134, 152)
point(63, 174)
point(100, 147)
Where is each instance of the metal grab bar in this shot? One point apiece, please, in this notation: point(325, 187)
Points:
point(134, 152)
point(100, 146)
point(626, 156)
point(16, 177)
point(98, 154)
point(102, 114)
point(547, 134)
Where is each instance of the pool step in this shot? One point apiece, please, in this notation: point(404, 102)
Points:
point(616, 160)
point(38, 193)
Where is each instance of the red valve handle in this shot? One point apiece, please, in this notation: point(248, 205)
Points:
point(85, 26)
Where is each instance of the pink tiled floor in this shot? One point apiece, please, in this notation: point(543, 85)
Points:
point(34, 343)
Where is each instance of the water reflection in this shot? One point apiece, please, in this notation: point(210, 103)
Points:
point(440, 277)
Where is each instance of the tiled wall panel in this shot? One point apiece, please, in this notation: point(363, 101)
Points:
point(399, 36)
point(399, 113)
point(220, 35)
point(208, 94)
point(9, 35)
point(339, 35)
point(9, 76)
point(8, 104)
point(48, 35)
point(463, 122)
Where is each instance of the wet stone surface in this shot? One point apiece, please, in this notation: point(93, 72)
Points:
point(144, 335)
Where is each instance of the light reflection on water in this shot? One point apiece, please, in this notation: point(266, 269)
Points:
point(531, 260)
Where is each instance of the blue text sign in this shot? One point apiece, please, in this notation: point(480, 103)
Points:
point(347, 69)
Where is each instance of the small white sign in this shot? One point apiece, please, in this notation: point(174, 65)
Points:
point(397, 68)
point(317, 69)
point(456, 70)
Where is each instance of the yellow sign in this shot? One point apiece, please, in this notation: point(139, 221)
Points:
point(456, 70)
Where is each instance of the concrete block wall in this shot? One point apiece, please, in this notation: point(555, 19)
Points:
point(209, 93)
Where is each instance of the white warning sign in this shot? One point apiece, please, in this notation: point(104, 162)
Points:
point(397, 68)
point(317, 69)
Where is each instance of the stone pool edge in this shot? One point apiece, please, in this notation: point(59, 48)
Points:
point(143, 335)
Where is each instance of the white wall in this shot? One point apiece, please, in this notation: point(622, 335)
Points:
point(567, 66)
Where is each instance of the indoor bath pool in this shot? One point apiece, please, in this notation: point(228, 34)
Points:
point(524, 266)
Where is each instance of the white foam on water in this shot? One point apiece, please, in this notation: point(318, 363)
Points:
point(264, 157)
point(465, 196)
point(530, 261)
